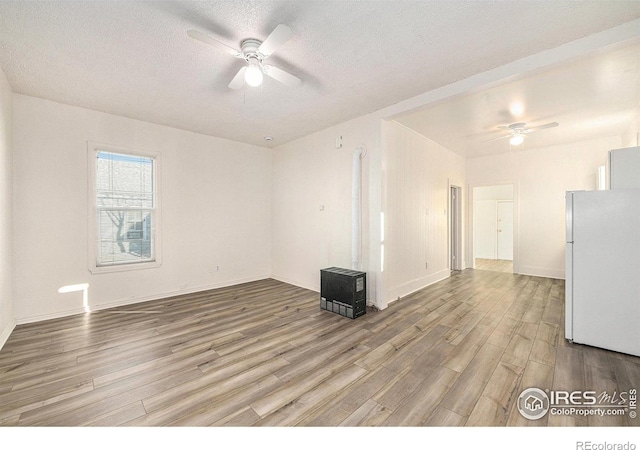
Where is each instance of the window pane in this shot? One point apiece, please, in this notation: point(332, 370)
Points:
point(124, 181)
point(124, 236)
point(125, 201)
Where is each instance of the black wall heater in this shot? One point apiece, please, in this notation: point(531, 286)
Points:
point(343, 291)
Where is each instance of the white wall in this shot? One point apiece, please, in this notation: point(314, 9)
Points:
point(541, 176)
point(413, 171)
point(418, 175)
point(495, 193)
point(311, 222)
point(215, 200)
point(7, 316)
point(631, 137)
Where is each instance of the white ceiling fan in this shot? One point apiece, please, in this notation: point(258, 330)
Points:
point(255, 52)
point(518, 130)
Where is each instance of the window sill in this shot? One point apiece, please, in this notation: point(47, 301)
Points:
point(124, 267)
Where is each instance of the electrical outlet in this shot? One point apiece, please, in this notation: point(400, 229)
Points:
point(426, 265)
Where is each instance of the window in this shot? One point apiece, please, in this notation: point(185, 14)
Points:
point(125, 204)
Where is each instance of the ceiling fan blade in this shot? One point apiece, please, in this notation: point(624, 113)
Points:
point(195, 34)
point(279, 36)
point(238, 80)
point(542, 127)
point(283, 77)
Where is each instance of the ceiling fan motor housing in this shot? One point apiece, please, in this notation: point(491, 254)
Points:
point(250, 49)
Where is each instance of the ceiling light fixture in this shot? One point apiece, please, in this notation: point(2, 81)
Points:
point(516, 139)
point(253, 74)
point(516, 109)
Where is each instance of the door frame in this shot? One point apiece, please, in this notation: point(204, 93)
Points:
point(455, 246)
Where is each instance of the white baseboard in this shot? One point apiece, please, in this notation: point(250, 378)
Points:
point(4, 336)
point(541, 272)
point(297, 283)
point(415, 285)
point(133, 301)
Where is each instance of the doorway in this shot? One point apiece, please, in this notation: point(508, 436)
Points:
point(493, 228)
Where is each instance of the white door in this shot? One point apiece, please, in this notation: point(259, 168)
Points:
point(505, 230)
point(484, 229)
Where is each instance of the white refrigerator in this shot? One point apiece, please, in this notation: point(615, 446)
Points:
point(602, 298)
point(624, 167)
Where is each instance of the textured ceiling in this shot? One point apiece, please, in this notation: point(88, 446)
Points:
point(134, 58)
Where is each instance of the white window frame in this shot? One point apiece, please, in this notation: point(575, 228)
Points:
point(93, 149)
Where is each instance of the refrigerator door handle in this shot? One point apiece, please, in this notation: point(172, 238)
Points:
point(568, 293)
point(569, 218)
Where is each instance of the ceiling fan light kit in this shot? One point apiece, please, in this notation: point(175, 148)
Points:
point(253, 74)
point(518, 131)
point(254, 52)
point(516, 139)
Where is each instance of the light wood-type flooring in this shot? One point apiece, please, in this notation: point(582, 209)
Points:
point(457, 353)
point(497, 265)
